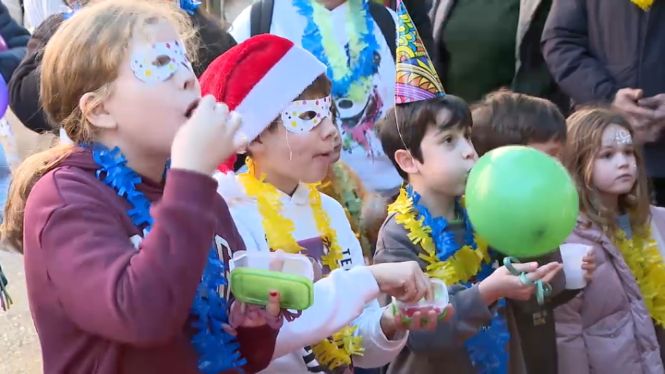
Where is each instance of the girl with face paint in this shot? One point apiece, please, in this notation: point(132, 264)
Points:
point(125, 255)
point(620, 310)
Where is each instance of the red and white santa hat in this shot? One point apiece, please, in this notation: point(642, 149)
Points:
point(259, 78)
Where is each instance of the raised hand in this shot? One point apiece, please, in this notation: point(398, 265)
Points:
point(207, 138)
point(502, 283)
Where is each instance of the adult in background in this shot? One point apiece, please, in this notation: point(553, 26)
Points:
point(483, 45)
point(419, 12)
point(24, 87)
point(613, 51)
point(13, 41)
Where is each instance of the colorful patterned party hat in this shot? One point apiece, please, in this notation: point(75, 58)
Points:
point(416, 77)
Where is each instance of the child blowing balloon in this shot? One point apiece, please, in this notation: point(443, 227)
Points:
point(427, 137)
point(613, 326)
point(428, 224)
point(122, 253)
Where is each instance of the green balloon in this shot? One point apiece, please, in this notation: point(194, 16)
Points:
point(521, 201)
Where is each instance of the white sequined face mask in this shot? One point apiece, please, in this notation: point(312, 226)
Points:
point(302, 116)
point(159, 61)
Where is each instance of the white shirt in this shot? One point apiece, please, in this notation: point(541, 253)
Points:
point(346, 295)
point(36, 11)
point(362, 148)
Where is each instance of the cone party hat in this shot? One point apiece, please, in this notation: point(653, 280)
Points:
point(416, 78)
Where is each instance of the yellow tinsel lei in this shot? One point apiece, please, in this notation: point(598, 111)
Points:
point(643, 257)
point(643, 4)
point(460, 267)
point(337, 350)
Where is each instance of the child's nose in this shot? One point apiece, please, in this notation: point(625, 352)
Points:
point(328, 129)
point(186, 79)
point(469, 152)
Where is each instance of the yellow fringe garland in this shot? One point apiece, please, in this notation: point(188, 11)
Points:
point(460, 267)
point(645, 5)
point(338, 349)
point(646, 263)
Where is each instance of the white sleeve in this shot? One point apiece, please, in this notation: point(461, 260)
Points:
point(338, 299)
point(241, 27)
point(379, 351)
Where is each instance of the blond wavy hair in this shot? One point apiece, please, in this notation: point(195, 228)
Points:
point(84, 56)
point(585, 134)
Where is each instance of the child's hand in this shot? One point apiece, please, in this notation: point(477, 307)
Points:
point(502, 283)
point(589, 265)
point(402, 280)
point(394, 321)
point(246, 315)
point(206, 139)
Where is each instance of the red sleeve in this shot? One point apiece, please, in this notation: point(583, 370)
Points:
point(110, 289)
point(257, 345)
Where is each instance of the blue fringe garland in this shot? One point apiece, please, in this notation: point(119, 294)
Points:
point(488, 349)
point(218, 351)
point(312, 41)
point(190, 6)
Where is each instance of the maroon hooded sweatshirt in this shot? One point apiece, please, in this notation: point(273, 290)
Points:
point(100, 305)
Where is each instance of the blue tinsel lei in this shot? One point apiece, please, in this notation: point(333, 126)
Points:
point(190, 6)
point(218, 351)
point(488, 349)
point(313, 42)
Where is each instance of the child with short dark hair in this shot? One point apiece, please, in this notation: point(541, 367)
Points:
point(430, 145)
point(427, 137)
point(508, 118)
point(505, 118)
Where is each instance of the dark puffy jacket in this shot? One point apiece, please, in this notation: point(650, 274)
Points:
point(596, 47)
point(16, 38)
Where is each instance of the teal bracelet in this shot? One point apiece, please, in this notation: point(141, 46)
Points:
point(543, 289)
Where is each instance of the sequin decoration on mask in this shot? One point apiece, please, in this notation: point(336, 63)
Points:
point(302, 116)
point(159, 62)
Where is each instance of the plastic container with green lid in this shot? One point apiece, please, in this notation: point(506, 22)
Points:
point(255, 274)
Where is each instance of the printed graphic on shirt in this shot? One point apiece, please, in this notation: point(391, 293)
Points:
point(315, 248)
point(224, 252)
point(356, 118)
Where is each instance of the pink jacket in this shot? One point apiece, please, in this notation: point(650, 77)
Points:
point(606, 328)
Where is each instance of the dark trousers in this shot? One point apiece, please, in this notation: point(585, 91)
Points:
point(658, 191)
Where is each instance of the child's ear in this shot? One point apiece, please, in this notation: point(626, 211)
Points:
point(406, 162)
point(94, 111)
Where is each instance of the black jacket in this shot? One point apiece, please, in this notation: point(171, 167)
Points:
point(214, 40)
point(596, 47)
point(16, 38)
point(24, 87)
point(419, 12)
point(533, 77)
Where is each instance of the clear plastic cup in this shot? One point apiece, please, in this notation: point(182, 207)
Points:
point(438, 304)
point(572, 254)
